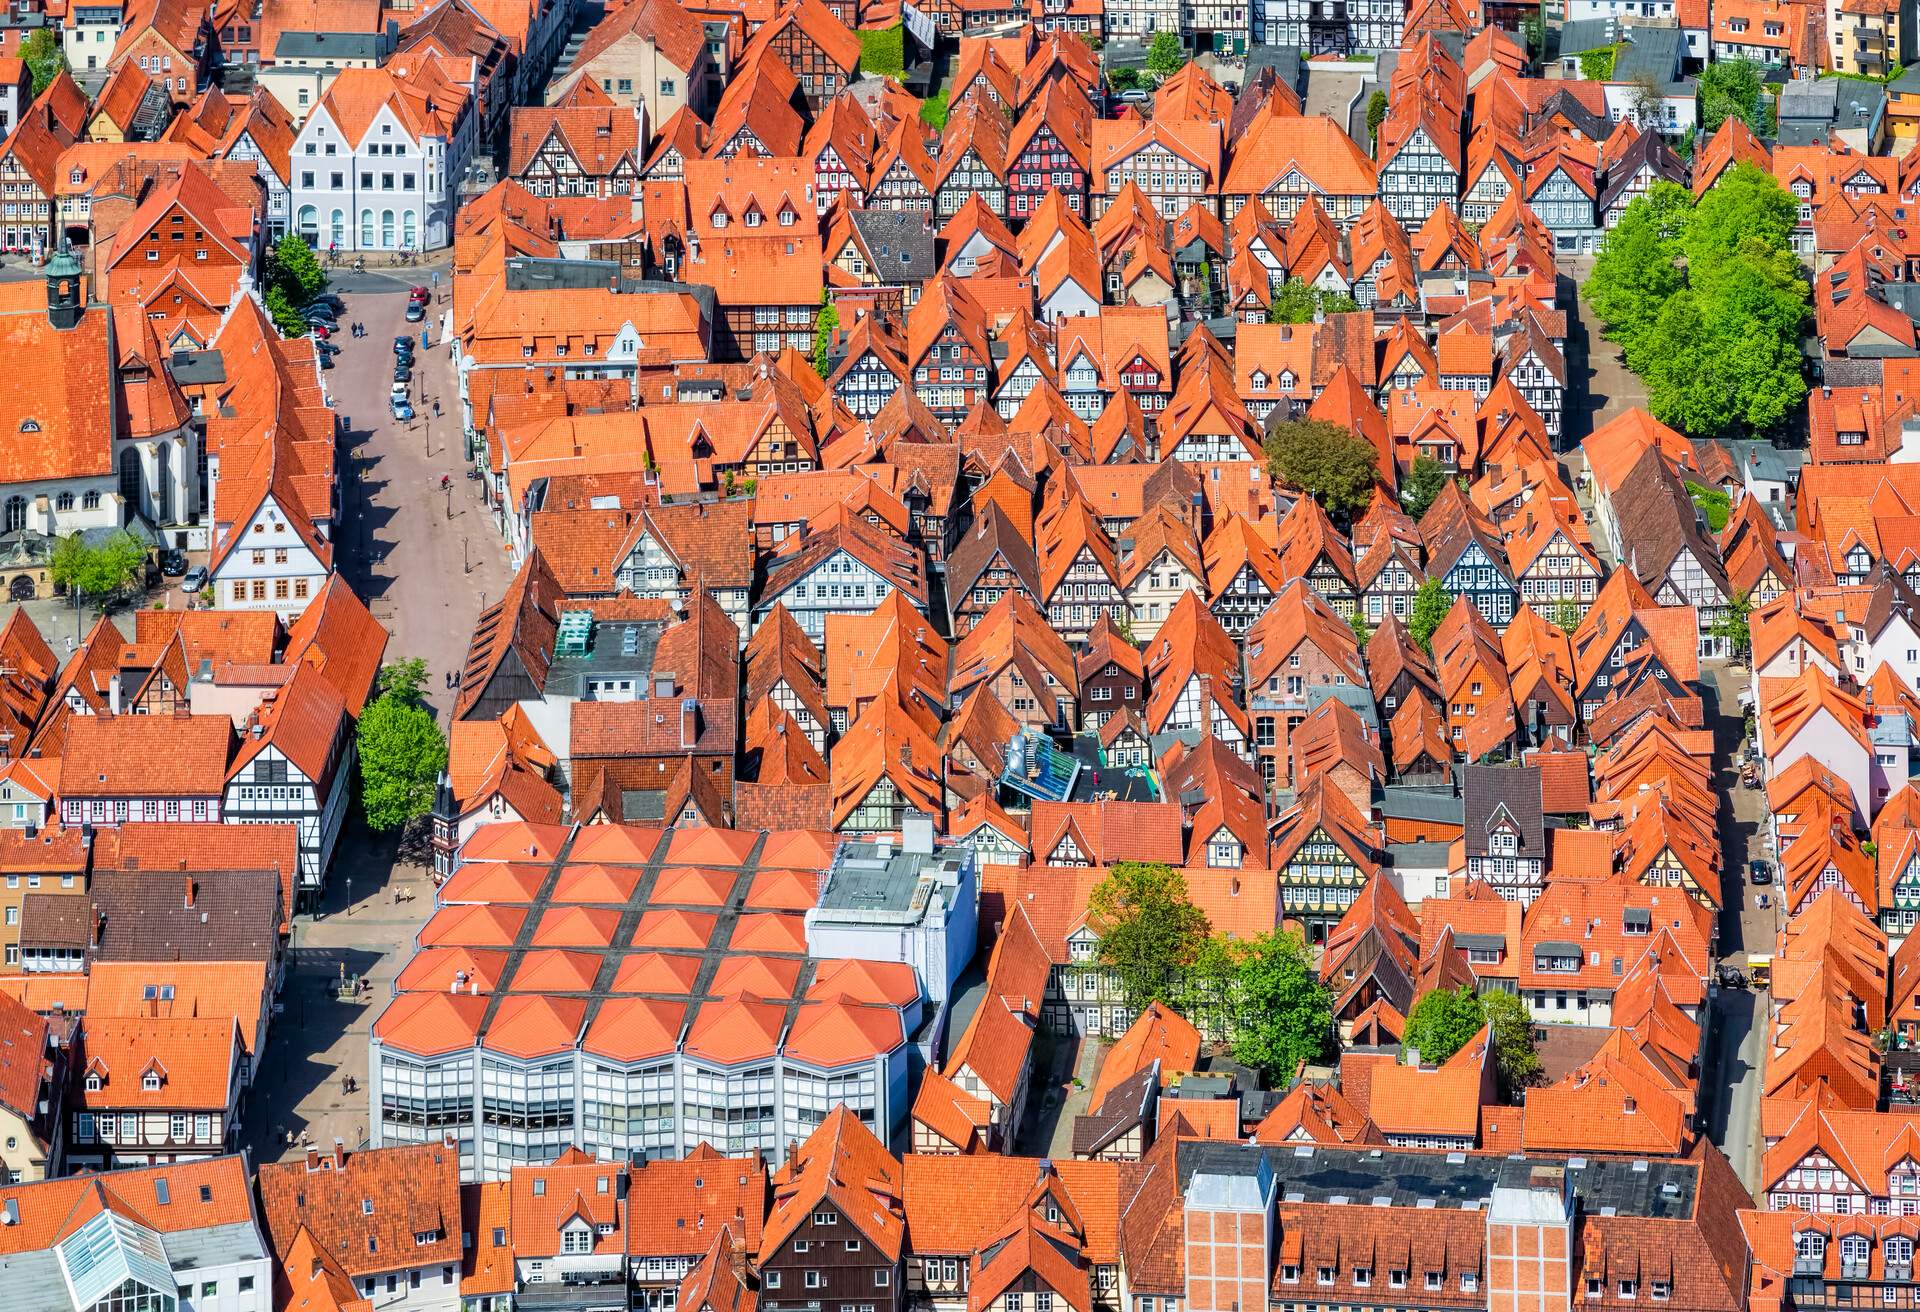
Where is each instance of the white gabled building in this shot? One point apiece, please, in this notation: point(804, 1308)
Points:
point(377, 165)
point(295, 757)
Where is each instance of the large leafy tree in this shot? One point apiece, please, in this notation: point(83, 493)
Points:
point(295, 271)
point(43, 56)
point(1149, 930)
point(1285, 1009)
point(1730, 88)
point(402, 750)
point(1708, 303)
point(1326, 462)
point(1430, 607)
point(1424, 483)
point(1513, 1046)
point(1442, 1022)
point(98, 569)
point(1166, 56)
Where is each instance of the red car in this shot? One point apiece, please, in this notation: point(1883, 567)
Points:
point(419, 295)
point(319, 330)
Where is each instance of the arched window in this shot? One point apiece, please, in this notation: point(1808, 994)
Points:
point(90, 501)
point(386, 229)
point(16, 513)
point(337, 227)
point(309, 224)
point(409, 235)
point(366, 229)
point(63, 502)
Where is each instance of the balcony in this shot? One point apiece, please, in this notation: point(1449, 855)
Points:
point(1870, 36)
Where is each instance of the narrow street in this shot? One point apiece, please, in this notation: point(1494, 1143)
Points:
point(425, 560)
point(1737, 1024)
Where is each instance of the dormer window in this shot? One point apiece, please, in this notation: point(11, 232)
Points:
point(576, 1239)
point(786, 216)
point(93, 1082)
point(150, 1081)
point(753, 218)
point(719, 218)
point(29, 425)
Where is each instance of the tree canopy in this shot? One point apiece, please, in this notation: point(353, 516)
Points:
point(1443, 1022)
point(1707, 302)
point(823, 330)
point(1149, 929)
point(1730, 88)
point(100, 569)
point(1166, 56)
point(402, 750)
point(1376, 114)
point(1285, 1010)
point(1430, 607)
point(1326, 462)
point(43, 56)
point(1424, 482)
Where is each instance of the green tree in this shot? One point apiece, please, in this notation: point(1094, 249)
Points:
point(1513, 1046)
point(1326, 462)
point(405, 679)
point(1729, 88)
point(1534, 28)
point(1362, 632)
point(824, 328)
point(933, 110)
point(1442, 1022)
point(1123, 79)
point(1733, 623)
point(1165, 56)
point(286, 317)
point(1376, 115)
point(1708, 302)
point(1566, 616)
point(1149, 929)
point(43, 56)
point(1206, 988)
point(1285, 1009)
point(1637, 269)
point(295, 271)
point(1299, 302)
point(99, 569)
point(1425, 480)
point(402, 753)
point(1430, 607)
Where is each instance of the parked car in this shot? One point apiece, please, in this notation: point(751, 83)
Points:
point(404, 342)
point(401, 373)
point(401, 408)
point(420, 294)
point(416, 311)
point(398, 392)
point(173, 563)
point(195, 579)
point(316, 310)
point(1761, 872)
point(320, 331)
point(330, 301)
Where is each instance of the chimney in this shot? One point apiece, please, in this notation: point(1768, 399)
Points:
point(313, 1158)
point(689, 723)
point(339, 1154)
point(189, 892)
point(113, 693)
